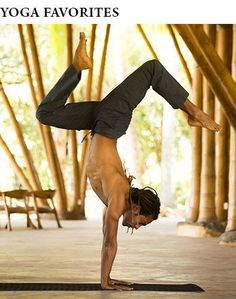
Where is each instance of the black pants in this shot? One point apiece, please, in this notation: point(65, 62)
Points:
point(110, 117)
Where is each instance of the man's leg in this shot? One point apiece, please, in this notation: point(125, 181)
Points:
point(73, 116)
point(76, 116)
point(152, 73)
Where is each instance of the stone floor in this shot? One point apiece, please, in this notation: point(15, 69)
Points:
point(153, 254)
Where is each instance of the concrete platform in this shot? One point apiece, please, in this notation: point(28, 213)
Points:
point(153, 254)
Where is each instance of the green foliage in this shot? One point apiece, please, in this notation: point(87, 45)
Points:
point(182, 134)
point(148, 121)
point(182, 191)
point(58, 40)
point(11, 67)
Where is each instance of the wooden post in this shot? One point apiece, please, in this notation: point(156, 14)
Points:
point(231, 221)
point(181, 57)
point(196, 136)
point(212, 67)
point(207, 194)
point(231, 225)
point(224, 47)
point(50, 146)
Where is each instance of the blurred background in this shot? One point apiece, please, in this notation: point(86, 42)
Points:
point(192, 168)
point(157, 146)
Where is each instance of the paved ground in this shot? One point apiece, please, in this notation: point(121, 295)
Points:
point(154, 254)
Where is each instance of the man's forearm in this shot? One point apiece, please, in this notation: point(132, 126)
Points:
point(108, 256)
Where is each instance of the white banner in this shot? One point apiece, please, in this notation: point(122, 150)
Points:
point(117, 11)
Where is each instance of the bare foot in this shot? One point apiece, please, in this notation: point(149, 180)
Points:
point(81, 59)
point(201, 119)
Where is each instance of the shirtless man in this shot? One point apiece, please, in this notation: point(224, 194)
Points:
point(108, 120)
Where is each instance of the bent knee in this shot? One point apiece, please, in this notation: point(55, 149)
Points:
point(153, 63)
point(42, 116)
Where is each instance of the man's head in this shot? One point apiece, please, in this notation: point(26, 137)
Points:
point(143, 209)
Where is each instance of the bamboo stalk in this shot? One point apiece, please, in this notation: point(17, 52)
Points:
point(98, 97)
point(25, 151)
point(181, 57)
point(25, 182)
point(196, 136)
point(72, 133)
point(50, 146)
point(32, 90)
point(231, 219)
point(140, 28)
point(207, 193)
point(212, 67)
point(231, 224)
point(69, 42)
point(102, 65)
point(28, 73)
point(27, 65)
point(88, 91)
point(224, 47)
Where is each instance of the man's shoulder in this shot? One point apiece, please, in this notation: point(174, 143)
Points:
point(114, 184)
point(116, 177)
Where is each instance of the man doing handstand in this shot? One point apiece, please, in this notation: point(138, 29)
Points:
point(108, 120)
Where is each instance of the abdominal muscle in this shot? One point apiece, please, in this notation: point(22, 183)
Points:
point(104, 168)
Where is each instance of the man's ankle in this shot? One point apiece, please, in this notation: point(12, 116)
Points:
point(190, 108)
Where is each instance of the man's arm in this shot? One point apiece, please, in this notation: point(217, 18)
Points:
point(109, 248)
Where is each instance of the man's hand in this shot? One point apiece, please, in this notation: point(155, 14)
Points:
point(122, 282)
point(118, 285)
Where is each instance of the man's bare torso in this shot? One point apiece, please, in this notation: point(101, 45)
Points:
point(104, 169)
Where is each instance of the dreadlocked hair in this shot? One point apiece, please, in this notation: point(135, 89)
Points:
point(148, 199)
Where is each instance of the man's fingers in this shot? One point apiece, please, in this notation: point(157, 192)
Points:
point(118, 287)
point(126, 283)
point(115, 281)
point(122, 288)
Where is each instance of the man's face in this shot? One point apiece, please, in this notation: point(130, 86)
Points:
point(132, 218)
